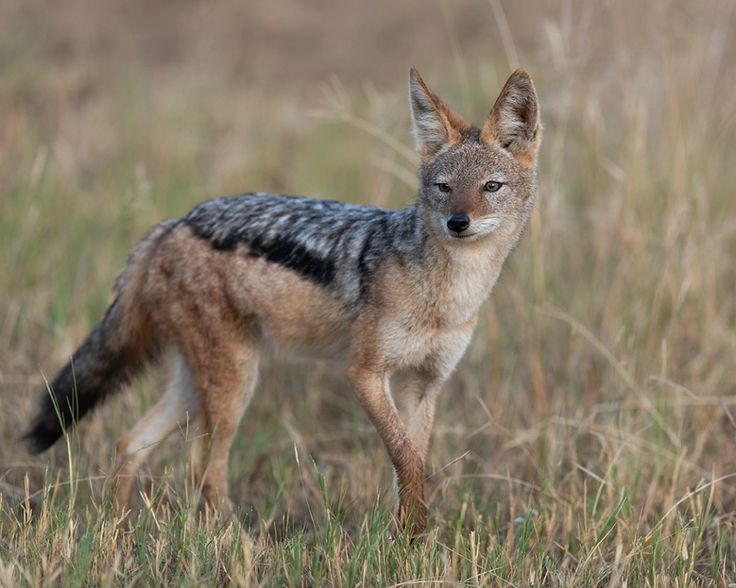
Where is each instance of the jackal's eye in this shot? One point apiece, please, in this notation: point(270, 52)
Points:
point(443, 187)
point(492, 186)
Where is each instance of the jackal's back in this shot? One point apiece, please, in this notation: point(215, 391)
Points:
point(336, 245)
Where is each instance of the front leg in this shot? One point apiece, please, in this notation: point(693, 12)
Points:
point(416, 393)
point(372, 389)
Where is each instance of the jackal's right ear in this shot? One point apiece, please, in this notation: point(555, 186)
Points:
point(513, 123)
point(435, 124)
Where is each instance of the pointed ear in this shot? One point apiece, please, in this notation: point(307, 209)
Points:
point(513, 123)
point(434, 123)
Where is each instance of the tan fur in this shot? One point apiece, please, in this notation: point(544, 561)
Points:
point(222, 309)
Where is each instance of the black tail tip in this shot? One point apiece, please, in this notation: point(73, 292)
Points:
point(41, 436)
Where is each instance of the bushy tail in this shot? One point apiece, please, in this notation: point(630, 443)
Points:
point(116, 350)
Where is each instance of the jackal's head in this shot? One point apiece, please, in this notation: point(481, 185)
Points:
point(474, 182)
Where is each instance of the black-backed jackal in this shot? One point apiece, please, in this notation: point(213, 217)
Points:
point(396, 292)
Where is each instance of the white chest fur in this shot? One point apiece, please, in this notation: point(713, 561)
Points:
point(469, 279)
point(435, 322)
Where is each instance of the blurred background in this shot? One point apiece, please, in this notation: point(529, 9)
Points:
point(606, 358)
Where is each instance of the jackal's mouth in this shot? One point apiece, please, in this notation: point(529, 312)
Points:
point(462, 236)
point(487, 225)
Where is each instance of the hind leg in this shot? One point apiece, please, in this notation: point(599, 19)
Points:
point(178, 405)
point(226, 377)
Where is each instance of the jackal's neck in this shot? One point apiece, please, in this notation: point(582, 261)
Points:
point(456, 276)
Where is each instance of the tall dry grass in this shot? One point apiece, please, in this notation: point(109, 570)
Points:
point(588, 437)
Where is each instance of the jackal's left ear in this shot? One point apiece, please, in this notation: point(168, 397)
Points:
point(435, 124)
point(513, 122)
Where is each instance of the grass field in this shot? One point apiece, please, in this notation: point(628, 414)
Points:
point(588, 437)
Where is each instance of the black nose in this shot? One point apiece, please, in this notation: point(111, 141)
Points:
point(458, 222)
